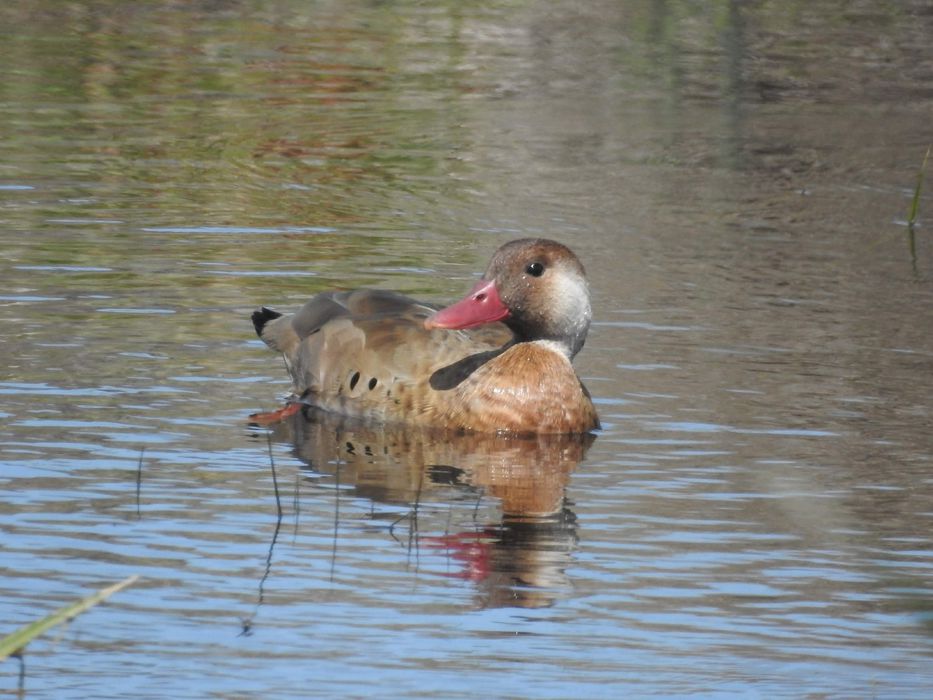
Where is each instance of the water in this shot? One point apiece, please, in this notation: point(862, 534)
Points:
point(754, 519)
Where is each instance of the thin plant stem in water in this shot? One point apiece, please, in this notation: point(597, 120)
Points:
point(915, 201)
point(246, 623)
point(915, 211)
point(296, 506)
point(333, 554)
point(21, 684)
point(139, 481)
point(275, 481)
point(413, 532)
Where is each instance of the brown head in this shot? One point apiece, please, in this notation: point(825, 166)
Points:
point(536, 287)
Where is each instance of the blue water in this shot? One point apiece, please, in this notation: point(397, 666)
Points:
point(754, 518)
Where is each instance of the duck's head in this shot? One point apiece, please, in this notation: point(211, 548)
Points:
point(536, 287)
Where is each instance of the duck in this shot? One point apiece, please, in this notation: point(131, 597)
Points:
point(496, 361)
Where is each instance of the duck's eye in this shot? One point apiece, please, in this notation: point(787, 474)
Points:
point(535, 269)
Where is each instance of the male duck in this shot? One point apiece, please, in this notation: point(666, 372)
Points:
point(382, 356)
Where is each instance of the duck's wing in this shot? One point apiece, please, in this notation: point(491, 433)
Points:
point(367, 351)
point(286, 332)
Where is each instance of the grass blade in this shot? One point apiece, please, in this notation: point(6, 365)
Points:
point(915, 202)
point(15, 642)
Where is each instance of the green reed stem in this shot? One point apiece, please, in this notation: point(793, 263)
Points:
point(915, 202)
point(15, 642)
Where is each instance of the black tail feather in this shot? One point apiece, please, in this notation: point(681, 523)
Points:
point(262, 317)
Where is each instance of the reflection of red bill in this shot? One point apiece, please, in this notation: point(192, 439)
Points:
point(471, 548)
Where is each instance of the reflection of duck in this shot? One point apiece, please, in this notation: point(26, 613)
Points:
point(379, 355)
point(518, 563)
point(517, 560)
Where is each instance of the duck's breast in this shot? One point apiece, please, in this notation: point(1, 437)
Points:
point(529, 388)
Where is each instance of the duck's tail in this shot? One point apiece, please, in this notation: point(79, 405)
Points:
point(262, 317)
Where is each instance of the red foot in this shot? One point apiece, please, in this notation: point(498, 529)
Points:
point(275, 416)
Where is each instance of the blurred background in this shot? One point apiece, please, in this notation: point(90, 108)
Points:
point(755, 516)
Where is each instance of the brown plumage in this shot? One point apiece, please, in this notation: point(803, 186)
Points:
point(498, 360)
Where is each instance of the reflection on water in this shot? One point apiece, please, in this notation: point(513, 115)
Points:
point(515, 559)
